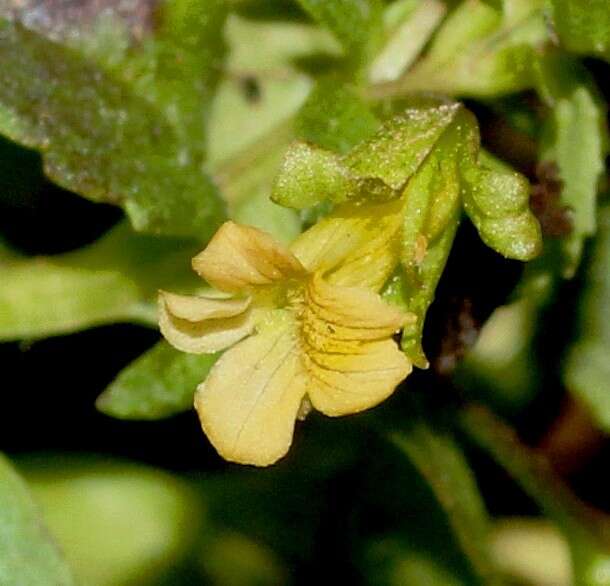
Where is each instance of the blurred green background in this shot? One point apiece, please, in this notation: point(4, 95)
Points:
point(489, 468)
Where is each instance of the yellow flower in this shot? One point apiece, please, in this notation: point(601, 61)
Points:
point(297, 337)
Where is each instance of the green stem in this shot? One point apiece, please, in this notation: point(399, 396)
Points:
point(534, 474)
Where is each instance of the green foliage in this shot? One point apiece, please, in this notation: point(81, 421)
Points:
point(429, 154)
point(160, 383)
point(409, 24)
point(357, 24)
point(439, 459)
point(400, 147)
point(233, 559)
point(335, 117)
point(587, 533)
point(262, 85)
point(28, 555)
point(583, 26)
point(531, 550)
point(376, 169)
point(102, 139)
point(394, 562)
point(576, 140)
point(501, 366)
point(117, 523)
point(284, 507)
point(249, 118)
point(114, 279)
point(179, 68)
point(416, 294)
point(497, 202)
point(586, 368)
point(504, 367)
point(194, 111)
point(309, 176)
point(480, 50)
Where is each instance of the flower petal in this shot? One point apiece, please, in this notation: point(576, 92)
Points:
point(239, 256)
point(249, 403)
point(179, 323)
point(359, 243)
point(197, 308)
point(350, 358)
point(349, 383)
point(350, 313)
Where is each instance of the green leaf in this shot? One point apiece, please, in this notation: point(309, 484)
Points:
point(357, 24)
point(114, 279)
point(246, 182)
point(251, 116)
point(170, 52)
point(412, 540)
point(586, 370)
point(310, 175)
point(248, 134)
point(402, 144)
point(259, 211)
point(238, 119)
point(583, 26)
point(261, 87)
point(179, 67)
point(118, 523)
point(479, 51)
point(100, 138)
point(28, 556)
point(496, 199)
point(497, 202)
point(438, 458)
point(576, 140)
point(587, 530)
point(409, 25)
point(335, 117)
point(432, 206)
point(416, 294)
point(158, 384)
point(431, 218)
point(377, 168)
point(587, 375)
